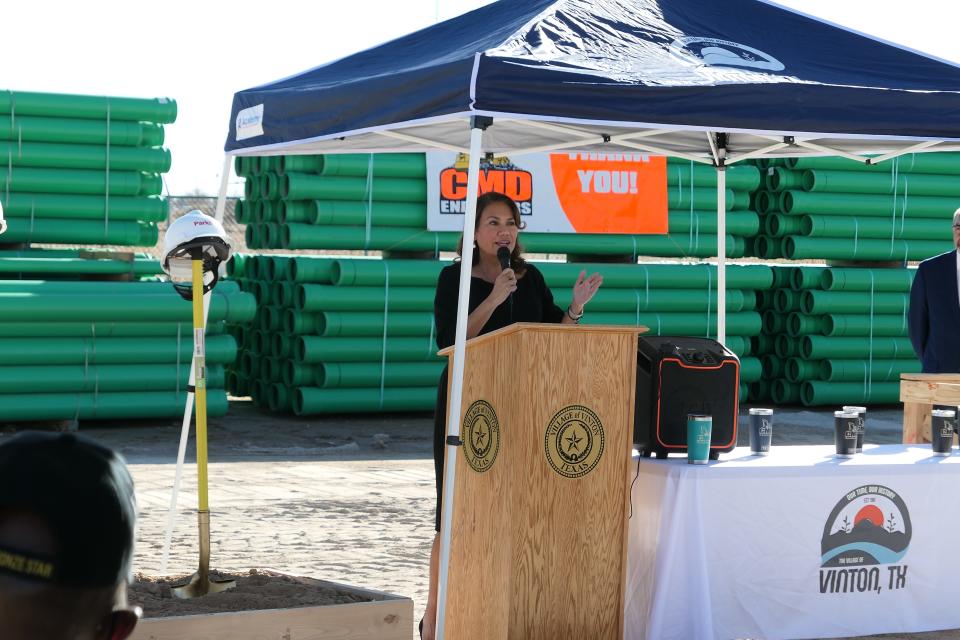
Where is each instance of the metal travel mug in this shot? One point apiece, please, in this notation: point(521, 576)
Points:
point(845, 425)
point(942, 427)
point(862, 426)
point(761, 431)
point(699, 430)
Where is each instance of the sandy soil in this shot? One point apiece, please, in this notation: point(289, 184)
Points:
point(341, 498)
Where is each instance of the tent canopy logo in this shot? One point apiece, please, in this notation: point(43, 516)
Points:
point(723, 53)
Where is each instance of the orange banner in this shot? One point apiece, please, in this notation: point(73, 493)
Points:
point(611, 194)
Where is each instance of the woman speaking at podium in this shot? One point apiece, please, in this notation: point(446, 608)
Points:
point(504, 289)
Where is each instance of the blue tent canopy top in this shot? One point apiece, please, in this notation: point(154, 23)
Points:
point(619, 75)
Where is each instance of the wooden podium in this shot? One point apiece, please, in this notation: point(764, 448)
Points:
point(918, 392)
point(539, 523)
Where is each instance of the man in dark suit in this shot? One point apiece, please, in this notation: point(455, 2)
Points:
point(934, 320)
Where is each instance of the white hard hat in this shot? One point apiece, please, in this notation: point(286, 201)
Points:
point(192, 236)
point(191, 231)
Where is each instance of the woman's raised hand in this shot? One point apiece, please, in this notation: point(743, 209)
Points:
point(503, 286)
point(584, 289)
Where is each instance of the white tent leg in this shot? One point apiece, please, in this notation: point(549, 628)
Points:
point(456, 388)
point(722, 254)
point(224, 178)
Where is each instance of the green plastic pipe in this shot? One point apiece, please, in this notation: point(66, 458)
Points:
point(301, 164)
point(315, 349)
point(361, 272)
point(797, 248)
point(772, 366)
point(798, 370)
point(780, 225)
point(318, 297)
point(836, 370)
point(705, 199)
point(785, 347)
point(823, 302)
point(386, 165)
point(67, 105)
point(940, 162)
point(806, 277)
point(819, 347)
point(786, 300)
point(299, 323)
point(889, 280)
point(743, 323)
point(347, 213)
point(103, 287)
point(79, 181)
point(86, 351)
point(784, 392)
point(741, 177)
point(818, 393)
point(77, 267)
point(335, 375)
point(763, 344)
point(312, 401)
point(301, 236)
point(295, 374)
point(81, 307)
point(750, 370)
point(799, 324)
point(740, 345)
point(864, 325)
point(80, 156)
point(251, 188)
point(358, 323)
point(280, 398)
point(25, 205)
point(853, 204)
point(769, 248)
point(103, 378)
point(818, 180)
point(854, 227)
point(774, 321)
point(101, 329)
point(58, 231)
point(119, 405)
point(781, 179)
point(759, 391)
point(304, 186)
point(75, 131)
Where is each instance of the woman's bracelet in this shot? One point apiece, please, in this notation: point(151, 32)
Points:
point(575, 318)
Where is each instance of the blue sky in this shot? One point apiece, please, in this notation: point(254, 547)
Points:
point(199, 52)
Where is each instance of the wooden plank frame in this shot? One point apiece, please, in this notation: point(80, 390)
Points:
point(919, 392)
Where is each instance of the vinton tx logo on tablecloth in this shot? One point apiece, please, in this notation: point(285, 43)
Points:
point(869, 527)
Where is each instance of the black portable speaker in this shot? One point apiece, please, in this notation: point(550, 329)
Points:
point(677, 376)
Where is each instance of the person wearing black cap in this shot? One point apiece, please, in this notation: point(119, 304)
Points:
point(504, 289)
point(67, 518)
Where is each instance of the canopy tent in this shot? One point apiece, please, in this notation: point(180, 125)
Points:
point(713, 81)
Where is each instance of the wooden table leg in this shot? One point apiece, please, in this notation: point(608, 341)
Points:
point(916, 422)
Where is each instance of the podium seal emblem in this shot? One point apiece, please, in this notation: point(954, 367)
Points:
point(574, 441)
point(480, 434)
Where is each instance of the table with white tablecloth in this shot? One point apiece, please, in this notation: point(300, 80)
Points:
point(797, 544)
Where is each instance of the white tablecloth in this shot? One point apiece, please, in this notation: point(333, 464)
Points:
point(734, 549)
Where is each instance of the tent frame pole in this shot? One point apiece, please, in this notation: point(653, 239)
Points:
point(718, 144)
point(477, 125)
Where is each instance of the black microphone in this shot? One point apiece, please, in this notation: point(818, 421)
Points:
point(503, 255)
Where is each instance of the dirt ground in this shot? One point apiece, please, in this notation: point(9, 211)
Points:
point(343, 498)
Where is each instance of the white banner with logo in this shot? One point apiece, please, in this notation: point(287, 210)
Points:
point(557, 192)
point(795, 545)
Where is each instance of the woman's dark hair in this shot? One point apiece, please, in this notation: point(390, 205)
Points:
point(517, 263)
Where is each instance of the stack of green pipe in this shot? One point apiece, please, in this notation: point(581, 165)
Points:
point(838, 209)
point(74, 349)
point(334, 202)
point(365, 327)
point(836, 336)
point(82, 169)
point(40, 264)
